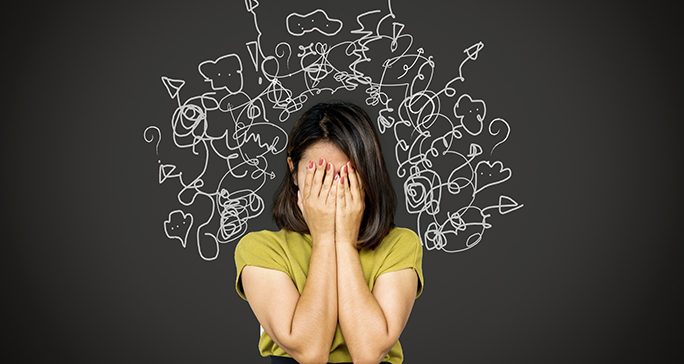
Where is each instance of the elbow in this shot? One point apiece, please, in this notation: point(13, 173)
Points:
point(320, 357)
point(369, 357)
point(312, 357)
point(304, 351)
point(368, 360)
point(373, 355)
point(308, 354)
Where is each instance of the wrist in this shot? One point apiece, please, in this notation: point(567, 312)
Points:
point(342, 243)
point(323, 238)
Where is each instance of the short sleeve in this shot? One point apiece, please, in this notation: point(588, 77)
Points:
point(406, 252)
point(258, 249)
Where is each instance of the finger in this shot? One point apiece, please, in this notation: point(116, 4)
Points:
point(344, 184)
point(327, 182)
point(309, 178)
point(318, 177)
point(353, 183)
point(299, 201)
point(334, 191)
point(359, 182)
point(341, 191)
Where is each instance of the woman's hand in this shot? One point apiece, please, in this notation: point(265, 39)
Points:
point(349, 207)
point(317, 200)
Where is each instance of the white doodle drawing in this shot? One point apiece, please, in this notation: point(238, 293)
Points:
point(225, 73)
point(318, 20)
point(178, 226)
point(438, 129)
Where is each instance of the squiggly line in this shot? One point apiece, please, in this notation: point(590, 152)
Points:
point(431, 127)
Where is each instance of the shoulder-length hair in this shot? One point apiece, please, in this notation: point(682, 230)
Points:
point(350, 128)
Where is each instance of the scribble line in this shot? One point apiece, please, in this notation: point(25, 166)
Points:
point(439, 132)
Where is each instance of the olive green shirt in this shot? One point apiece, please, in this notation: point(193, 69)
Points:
point(289, 252)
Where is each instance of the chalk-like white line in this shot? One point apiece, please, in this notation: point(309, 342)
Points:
point(448, 182)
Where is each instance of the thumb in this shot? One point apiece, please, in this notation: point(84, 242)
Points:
point(299, 200)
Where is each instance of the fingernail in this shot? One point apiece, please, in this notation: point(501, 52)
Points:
point(311, 164)
point(337, 176)
point(320, 161)
point(345, 168)
point(329, 166)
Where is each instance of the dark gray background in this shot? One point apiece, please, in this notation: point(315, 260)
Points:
point(584, 272)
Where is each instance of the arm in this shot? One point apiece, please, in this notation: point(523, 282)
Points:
point(372, 322)
point(304, 325)
point(316, 314)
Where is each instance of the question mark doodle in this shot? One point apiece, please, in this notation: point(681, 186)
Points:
point(150, 138)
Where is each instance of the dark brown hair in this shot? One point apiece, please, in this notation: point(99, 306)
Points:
point(350, 128)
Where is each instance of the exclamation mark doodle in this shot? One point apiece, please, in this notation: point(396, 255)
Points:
point(149, 135)
point(253, 49)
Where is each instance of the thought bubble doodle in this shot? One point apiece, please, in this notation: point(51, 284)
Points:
point(223, 73)
point(298, 24)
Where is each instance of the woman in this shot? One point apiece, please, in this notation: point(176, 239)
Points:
point(338, 281)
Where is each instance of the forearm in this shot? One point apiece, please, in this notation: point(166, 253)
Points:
point(362, 320)
point(315, 318)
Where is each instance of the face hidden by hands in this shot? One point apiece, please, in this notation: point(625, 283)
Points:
point(330, 208)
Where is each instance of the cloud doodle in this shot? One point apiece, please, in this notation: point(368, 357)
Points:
point(223, 73)
point(318, 20)
point(443, 142)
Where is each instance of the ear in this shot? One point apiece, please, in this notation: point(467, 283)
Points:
point(290, 165)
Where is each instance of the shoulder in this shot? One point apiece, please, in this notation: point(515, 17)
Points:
point(279, 240)
point(401, 238)
point(404, 234)
point(264, 248)
point(261, 239)
point(258, 235)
